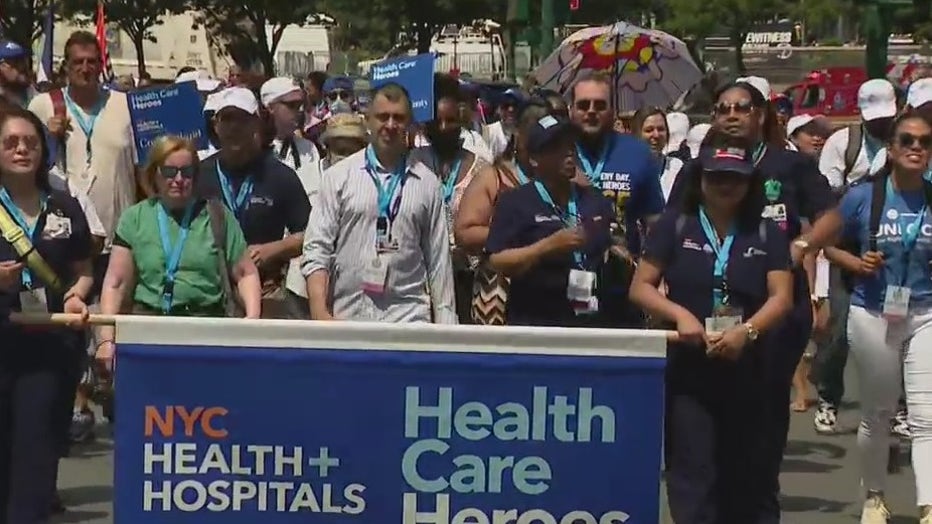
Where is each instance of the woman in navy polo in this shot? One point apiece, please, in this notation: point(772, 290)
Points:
point(727, 272)
point(794, 189)
point(35, 361)
point(550, 235)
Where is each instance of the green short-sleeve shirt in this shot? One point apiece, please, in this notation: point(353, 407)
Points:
point(197, 282)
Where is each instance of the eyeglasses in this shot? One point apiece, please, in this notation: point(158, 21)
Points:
point(170, 172)
point(31, 143)
point(591, 105)
point(742, 108)
point(908, 140)
point(339, 93)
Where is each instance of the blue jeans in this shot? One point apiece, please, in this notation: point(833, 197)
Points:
point(828, 366)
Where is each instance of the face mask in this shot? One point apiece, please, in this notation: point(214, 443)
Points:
point(339, 106)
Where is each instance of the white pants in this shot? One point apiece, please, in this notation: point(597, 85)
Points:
point(888, 355)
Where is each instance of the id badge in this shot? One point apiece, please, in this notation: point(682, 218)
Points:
point(375, 275)
point(896, 303)
point(56, 227)
point(580, 291)
point(723, 319)
point(383, 242)
point(33, 301)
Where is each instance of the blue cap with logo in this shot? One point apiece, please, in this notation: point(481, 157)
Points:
point(11, 50)
point(548, 130)
point(726, 160)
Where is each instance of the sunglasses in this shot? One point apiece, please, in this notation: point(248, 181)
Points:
point(339, 93)
point(170, 172)
point(591, 105)
point(742, 108)
point(31, 143)
point(908, 140)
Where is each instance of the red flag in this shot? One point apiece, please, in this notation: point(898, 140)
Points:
point(101, 32)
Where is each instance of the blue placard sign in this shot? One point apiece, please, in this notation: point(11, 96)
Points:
point(416, 75)
point(176, 109)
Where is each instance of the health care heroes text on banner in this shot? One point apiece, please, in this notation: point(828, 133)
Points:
point(416, 75)
point(175, 109)
point(244, 435)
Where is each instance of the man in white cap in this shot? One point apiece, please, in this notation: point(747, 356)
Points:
point(206, 84)
point(807, 134)
point(264, 194)
point(210, 109)
point(850, 151)
point(757, 82)
point(284, 99)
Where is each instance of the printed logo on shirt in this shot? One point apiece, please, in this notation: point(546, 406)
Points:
point(261, 201)
point(754, 252)
point(892, 214)
point(707, 248)
point(691, 244)
point(892, 229)
point(546, 218)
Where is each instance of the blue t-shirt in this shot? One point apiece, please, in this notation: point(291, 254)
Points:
point(900, 268)
point(538, 297)
point(630, 178)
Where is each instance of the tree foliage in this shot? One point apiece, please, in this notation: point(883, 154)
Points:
point(21, 20)
point(136, 18)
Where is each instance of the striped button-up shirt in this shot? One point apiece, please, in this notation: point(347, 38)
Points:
point(341, 239)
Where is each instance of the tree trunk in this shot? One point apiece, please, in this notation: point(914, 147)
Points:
point(424, 33)
point(139, 43)
point(737, 40)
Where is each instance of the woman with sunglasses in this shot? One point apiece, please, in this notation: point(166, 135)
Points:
point(887, 217)
point(794, 190)
point(650, 124)
point(471, 227)
point(727, 272)
point(49, 270)
point(550, 235)
point(165, 259)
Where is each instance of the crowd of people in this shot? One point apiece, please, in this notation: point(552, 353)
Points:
point(754, 237)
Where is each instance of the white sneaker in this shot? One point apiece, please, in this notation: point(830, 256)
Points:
point(875, 511)
point(826, 417)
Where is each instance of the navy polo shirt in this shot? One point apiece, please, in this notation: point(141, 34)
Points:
point(630, 178)
point(59, 253)
point(686, 260)
point(538, 297)
point(278, 201)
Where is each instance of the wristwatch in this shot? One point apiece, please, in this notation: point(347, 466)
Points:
point(753, 333)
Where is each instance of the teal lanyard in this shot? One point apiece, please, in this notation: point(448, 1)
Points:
point(909, 232)
point(17, 214)
point(385, 196)
point(87, 126)
point(522, 176)
point(569, 216)
point(871, 148)
point(449, 183)
point(240, 201)
point(172, 252)
point(722, 252)
point(593, 173)
point(758, 154)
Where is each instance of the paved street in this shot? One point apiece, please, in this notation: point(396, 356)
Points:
point(820, 479)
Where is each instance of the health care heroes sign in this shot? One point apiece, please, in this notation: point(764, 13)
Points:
point(416, 75)
point(245, 435)
point(166, 110)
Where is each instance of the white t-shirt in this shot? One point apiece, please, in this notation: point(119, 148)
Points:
point(58, 182)
point(671, 168)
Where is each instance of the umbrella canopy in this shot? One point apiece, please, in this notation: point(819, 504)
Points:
point(648, 67)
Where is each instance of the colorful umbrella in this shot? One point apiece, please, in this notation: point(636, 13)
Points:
point(649, 67)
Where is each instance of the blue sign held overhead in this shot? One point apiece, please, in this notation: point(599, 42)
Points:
point(416, 75)
point(176, 109)
point(236, 433)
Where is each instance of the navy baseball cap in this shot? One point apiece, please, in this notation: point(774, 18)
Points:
point(726, 160)
point(547, 131)
point(11, 50)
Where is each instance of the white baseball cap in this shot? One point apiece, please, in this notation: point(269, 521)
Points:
point(205, 83)
point(798, 121)
point(695, 136)
point(876, 99)
point(212, 102)
point(757, 82)
point(275, 88)
point(238, 97)
point(920, 92)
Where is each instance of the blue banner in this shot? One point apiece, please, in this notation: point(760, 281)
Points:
point(416, 75)
point(244, 435)
point(176, 109)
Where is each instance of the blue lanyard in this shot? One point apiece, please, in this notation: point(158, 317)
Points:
point(385, 195)
point(522, 176)
point(86, 126)
point(594, 174)
point(238, 204)
point(30, 231)
point(871, 147)
point(570, 216)
point(450, 182)
point(758, 153)
point(908, 232)
point(172, 253)
point(722, 252)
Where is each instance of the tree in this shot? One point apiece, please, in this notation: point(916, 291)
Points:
point(21, 20)
point(698, 20)
point(242, 26)
point(136, 18)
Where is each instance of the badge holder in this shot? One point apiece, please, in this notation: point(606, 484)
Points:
point(580, 291)
point(724, 315)
point(896, 303)
point(33, 301)
point(383, 241)
point(375, 274)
